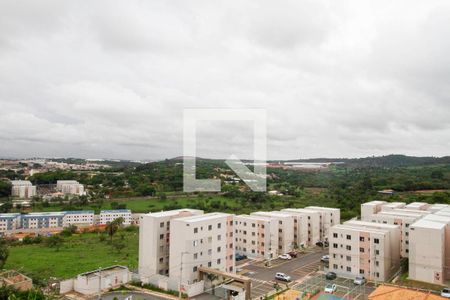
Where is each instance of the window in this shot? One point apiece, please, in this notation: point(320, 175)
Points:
point(376, 241)
point(361, 271)
point(194, 269)
point(161, 236)
point(377, 252)
point(349, 258)
point(361, 239)
point(195, 243)
point(161, 224)
point(161, 260)
point(253, 225)
point(195, 255)
point(361, 249)
point(219, 225)
point(349, 269)
point(377, 263)
point(335, 266)
point(195, 230)
point(349, 237)
point(335, 235)
point(218, 261)
point(218, 249)
point(209, 264)
point(219, 237)
point(348, 247)
point(210, 227)
point(335, 245)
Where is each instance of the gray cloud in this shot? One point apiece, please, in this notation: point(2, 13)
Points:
point(111, 79)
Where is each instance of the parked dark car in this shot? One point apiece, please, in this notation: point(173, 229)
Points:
point(293, 254)
point(330, 276)
point(239, 257)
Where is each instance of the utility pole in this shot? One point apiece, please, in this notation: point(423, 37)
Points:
point(181, 274)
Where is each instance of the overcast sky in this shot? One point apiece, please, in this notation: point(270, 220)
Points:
point(103, 79)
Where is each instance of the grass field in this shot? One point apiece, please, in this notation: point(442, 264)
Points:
point(79, 253)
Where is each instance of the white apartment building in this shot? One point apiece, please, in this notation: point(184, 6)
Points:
point(429, 255)
point(42, 220)
point(201, 241)
point(328, 218)
point(282, 232)
point(80, 218)
point(313, 225)
point(370, 208)
point(9, 222)
point(107, 216)
point(70, 187)
point(23, 189)
point(417, 206)
point(256, 236)
point(364, 248)
point(154, 241)
point(403, 220)
point(393, 205)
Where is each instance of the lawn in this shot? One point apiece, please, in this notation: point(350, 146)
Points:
point(79, 253)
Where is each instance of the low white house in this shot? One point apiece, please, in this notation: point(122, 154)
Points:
point(97, 281)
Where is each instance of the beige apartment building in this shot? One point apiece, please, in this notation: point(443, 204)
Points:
point(328, 218)
point(312, 220)
point(429, 255)
point(23, 189)
point(70, 187)
point(154, 241)
point(282, 232)
point(256, 236)
point(364, 248)
point(403, 220)
point(201, 241)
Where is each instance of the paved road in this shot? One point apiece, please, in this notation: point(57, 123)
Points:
point(296, 267)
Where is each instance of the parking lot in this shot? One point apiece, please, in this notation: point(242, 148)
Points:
point(345, 288)
point(263, 275)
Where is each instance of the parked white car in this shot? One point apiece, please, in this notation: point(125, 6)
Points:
point(445, 292)
point(325, 258)
point(330, 288)
point(285, 256)
point(359, 280)
point(282, 276)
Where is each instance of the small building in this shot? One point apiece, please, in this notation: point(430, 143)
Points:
point(16, 280)
point(70, 187)
point(97, 281)
point(22, 189)
point(107, 216)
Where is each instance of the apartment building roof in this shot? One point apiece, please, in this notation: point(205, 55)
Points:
point(205, 217)
point(301, 210)
point(417, 211)
point(21, 182)
point(175, 212)
point(442, 213)
point(399, 214)
point(423, 223)
point(371, 224)
point(375, 202)
point(272, 214)
point(438, 218)
point(416, 205)
point(79, 212)
point(394, 204)
point(9, 216)
point(116, 211)
point(321, 208)
point(44, 214)
point(350, 227)
point(254, 217)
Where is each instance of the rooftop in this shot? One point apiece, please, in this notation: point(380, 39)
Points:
point(174, 212)
point(370, 224)
point(115, 211)
point(422, 223)
point(205, 217)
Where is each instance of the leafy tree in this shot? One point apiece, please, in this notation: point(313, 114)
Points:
point(4, 252)
point(54, 241)
point(113, 227)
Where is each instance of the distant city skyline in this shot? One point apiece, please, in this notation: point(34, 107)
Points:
point(338, 79)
